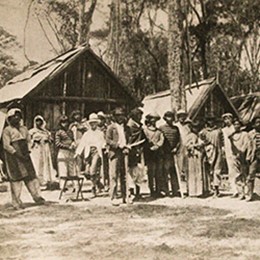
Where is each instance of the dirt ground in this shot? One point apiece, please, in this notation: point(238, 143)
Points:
point(168, 228)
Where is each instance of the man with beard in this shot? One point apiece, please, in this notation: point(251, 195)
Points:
point(19, 166)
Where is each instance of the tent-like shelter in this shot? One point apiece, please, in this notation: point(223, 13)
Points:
point(77, 79)
point(203, 98)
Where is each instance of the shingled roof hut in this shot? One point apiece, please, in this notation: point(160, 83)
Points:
point(77, 79)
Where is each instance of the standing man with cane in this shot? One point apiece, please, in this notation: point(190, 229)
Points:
point(116, 139)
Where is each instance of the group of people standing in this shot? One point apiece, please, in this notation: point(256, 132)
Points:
point(118, 149)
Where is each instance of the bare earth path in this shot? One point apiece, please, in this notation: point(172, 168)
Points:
point(167, 228)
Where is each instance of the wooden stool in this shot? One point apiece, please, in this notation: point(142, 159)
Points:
point(80, 181)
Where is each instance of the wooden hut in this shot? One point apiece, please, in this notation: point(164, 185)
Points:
point(77, 79)
point(203, 98)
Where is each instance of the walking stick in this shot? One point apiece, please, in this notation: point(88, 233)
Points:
point(178, 175)
point(126, 179)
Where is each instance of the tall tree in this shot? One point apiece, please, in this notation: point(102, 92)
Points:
point(175, 43)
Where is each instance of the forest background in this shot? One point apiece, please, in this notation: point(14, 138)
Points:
point(152, 45)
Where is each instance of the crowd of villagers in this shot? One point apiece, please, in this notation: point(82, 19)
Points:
point(118, 153)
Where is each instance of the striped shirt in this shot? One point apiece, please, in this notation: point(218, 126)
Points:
point(63, 139)
point(171, 134)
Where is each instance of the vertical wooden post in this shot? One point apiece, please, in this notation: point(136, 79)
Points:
point(83, 85)
point(64, 93)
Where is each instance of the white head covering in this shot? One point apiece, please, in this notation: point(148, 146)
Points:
point(41, 118)
point(12, 112)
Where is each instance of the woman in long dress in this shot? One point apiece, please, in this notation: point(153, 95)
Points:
point(40, 151)
point(194, 154)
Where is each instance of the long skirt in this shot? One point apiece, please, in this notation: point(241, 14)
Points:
point(195, 176)
point(17, 169)
point(66, 163)
point(41, 158)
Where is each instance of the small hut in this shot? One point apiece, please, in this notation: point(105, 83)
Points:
point(203, 98)
point(77, 79)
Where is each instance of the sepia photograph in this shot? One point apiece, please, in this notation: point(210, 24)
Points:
point(129, 129)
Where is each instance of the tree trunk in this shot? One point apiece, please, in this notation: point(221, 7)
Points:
point(112, 56)
point(175, 70)
point(85, 20)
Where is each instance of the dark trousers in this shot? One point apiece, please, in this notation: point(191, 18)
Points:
point(105, 168)
point(170, 171)
point(156, 180)
point(117, 171)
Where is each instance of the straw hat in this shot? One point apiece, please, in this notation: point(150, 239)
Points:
point(169, 114)
point(93, 118)
point(119, 111)
point(181, 112)
point(227, 115)
point(101, 114)
point(153, 115)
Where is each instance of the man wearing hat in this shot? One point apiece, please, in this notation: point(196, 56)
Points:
point(91, 144)
point(242, 149)
point(255, 161)
point(227, 131)
point(212, 139)
point(102, 126)
point(153, 156)
point(170, 146)
point(116, 140)
point(136, 140)
point(17, 157)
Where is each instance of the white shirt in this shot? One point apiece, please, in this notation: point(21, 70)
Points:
point(228, 131)
point(121, 136)
point(91, 139)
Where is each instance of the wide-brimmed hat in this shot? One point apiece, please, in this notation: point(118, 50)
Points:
point(13, 111)
point(153, 115)
point(119, 111)
point(136, 111)
point(181, 112)
point(75, 112)
point(93, 118)
point(101, 114)
point(63, 119)
point(227, 115)
point(188, 121)
point(169, 114)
